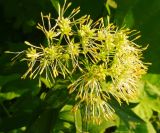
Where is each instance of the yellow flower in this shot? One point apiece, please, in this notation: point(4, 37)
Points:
point(65, 23)
point(89, 93)
point(48, 61)
point(65, 26)
point(50, 32)
point(73, 50)
point(85, 28)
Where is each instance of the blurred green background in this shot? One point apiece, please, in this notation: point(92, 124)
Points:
point(18, 19)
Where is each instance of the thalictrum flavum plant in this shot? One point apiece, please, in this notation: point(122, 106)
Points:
point(105, 59)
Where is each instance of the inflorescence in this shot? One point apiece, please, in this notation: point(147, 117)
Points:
point(107, 61)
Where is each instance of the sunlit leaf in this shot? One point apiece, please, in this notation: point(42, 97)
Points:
point(8, 96)
point(66, 114)
point(143, 110)
point(150, 128)
point(46, 82)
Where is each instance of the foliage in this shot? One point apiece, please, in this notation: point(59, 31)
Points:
point(37, 106)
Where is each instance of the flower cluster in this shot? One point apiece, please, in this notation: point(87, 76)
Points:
point(98, 54)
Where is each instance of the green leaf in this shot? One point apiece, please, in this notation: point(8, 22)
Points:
point(152, 84)
point(136, 128)
point(63, 127)
point(124, 112)
point(150, 128)
point(26, 103)
point(22, 86)
point(57, 98)
point(152, 88)
point(94, 128)
point(143, 110)
point(152, 78)
point(141, 128)
point(149, 96)
point(45, 122)
point(78, 121)
point(61, 84)
point(8, 78)
point(22, 112)
point(8, 96)
point(150, 93)
point(129, 19)
point(66, 114)
point(56, 5)
point(47, 83)
point(123, 11)
point(155, 105)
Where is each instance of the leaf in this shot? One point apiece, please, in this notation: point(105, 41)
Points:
point(56, 5)
point(152, 84)
point(22, 113)
point(151, 92)
point(133, 128)
point(141, 128)
point(143, 110)
point(26, 103)
point(155, 105)
point(123, 11)
point(149, 96)
point(47, 83)
point(8, 96)
point(44, 122)
point(66, 114)
point(152, 88)
point(78, 121)
point(129, 19)
point(150, 128)
point(152, 78)
point(63, 127)
point(93, 128)
point(61, 84)
point(57, 98)
point(22, 86)
point(124, 112)
point(8, 78)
